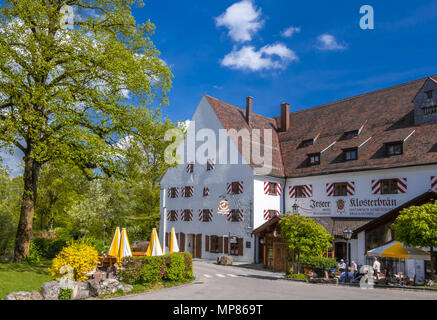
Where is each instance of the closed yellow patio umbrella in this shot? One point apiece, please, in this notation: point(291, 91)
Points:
point(154, 248)
point(124, 250)
point(173, 242)
point(115, 245)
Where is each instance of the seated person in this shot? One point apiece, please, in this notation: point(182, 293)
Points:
point(341, 265)
point(349, 276)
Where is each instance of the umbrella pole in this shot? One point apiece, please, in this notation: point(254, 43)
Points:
point(400, 273)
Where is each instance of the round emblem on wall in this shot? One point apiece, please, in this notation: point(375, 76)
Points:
point(223, 207)
point(340, 206)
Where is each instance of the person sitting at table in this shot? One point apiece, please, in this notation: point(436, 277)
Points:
point(349, 276)
point(341, 265)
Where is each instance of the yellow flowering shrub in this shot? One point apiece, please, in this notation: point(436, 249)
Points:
point(79, 256)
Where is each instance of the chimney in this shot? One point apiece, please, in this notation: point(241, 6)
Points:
point(248, 109)
point(285, 117)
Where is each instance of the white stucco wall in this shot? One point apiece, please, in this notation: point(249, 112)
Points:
point(320, 204)
point(216, 180)
point(264, 201)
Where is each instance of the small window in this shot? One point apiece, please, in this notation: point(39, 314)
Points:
point(236, 188)
point(389, 186)
point(172, 216)
point(214, 244)
point(350, 134)
point(394, 148)
point(340, 189)
point(300, 192)
point(187, 215)
point(234, 249)
point(190, 168)
point(235, 215)
point(307, 143)
point(429, 94)
point(173, 192)
point(273, 189)
point(206, 215)
point(314, 158)
point(429, 110)
point(188, 192)
point(350, 154)
point(205, 191)
point(272, 214)
point(209, 165)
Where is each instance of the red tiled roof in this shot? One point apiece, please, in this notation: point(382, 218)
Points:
point(385, 115)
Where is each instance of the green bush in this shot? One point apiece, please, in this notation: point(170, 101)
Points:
point(150, 270)
point(317, 262)
point(34, 256)
point(299, 276)
point(65, 294)
point(7, 232)
point(50, 248)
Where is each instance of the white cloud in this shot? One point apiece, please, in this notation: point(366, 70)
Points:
point(289, 32)
point(242, 19)
point(276, 56)
point(328, 42)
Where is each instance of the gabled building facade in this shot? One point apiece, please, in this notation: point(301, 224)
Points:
point(344, 163)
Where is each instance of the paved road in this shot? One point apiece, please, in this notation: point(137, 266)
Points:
point(215, 282)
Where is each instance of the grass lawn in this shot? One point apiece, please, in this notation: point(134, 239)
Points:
point(22, 277)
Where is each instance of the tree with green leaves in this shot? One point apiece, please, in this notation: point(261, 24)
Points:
point(304, 236)
point(417, 226)
point(73, 92)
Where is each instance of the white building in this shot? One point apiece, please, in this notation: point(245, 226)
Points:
point(344, 163)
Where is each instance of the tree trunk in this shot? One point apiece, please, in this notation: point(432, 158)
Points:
point(24, 231)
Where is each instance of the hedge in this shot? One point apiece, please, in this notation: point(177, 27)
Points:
point(150, 270)
point(317, 262)
point(50, 248)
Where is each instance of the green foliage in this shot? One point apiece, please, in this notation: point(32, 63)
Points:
point(304, 236)
point(417, 226)
point(317, 262)
point(10, 190)
point(34, 256)
point(298, 276)
point(88, 98)
point(65, 294)
point(176, 268)
point(149, 270)
point(153, 270)
point(49, 248)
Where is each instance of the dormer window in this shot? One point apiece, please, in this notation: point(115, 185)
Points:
point(307, 143)
point(350, 134)
point(350, 154)
point(429, 94)
point(394, 148)
point(314, 158)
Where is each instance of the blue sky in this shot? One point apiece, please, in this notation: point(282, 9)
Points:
point(233, 49)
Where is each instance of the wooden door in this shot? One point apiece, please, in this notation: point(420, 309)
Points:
point(279, 256)
point(182, 242)
point(198, 246)
point(226, 245)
